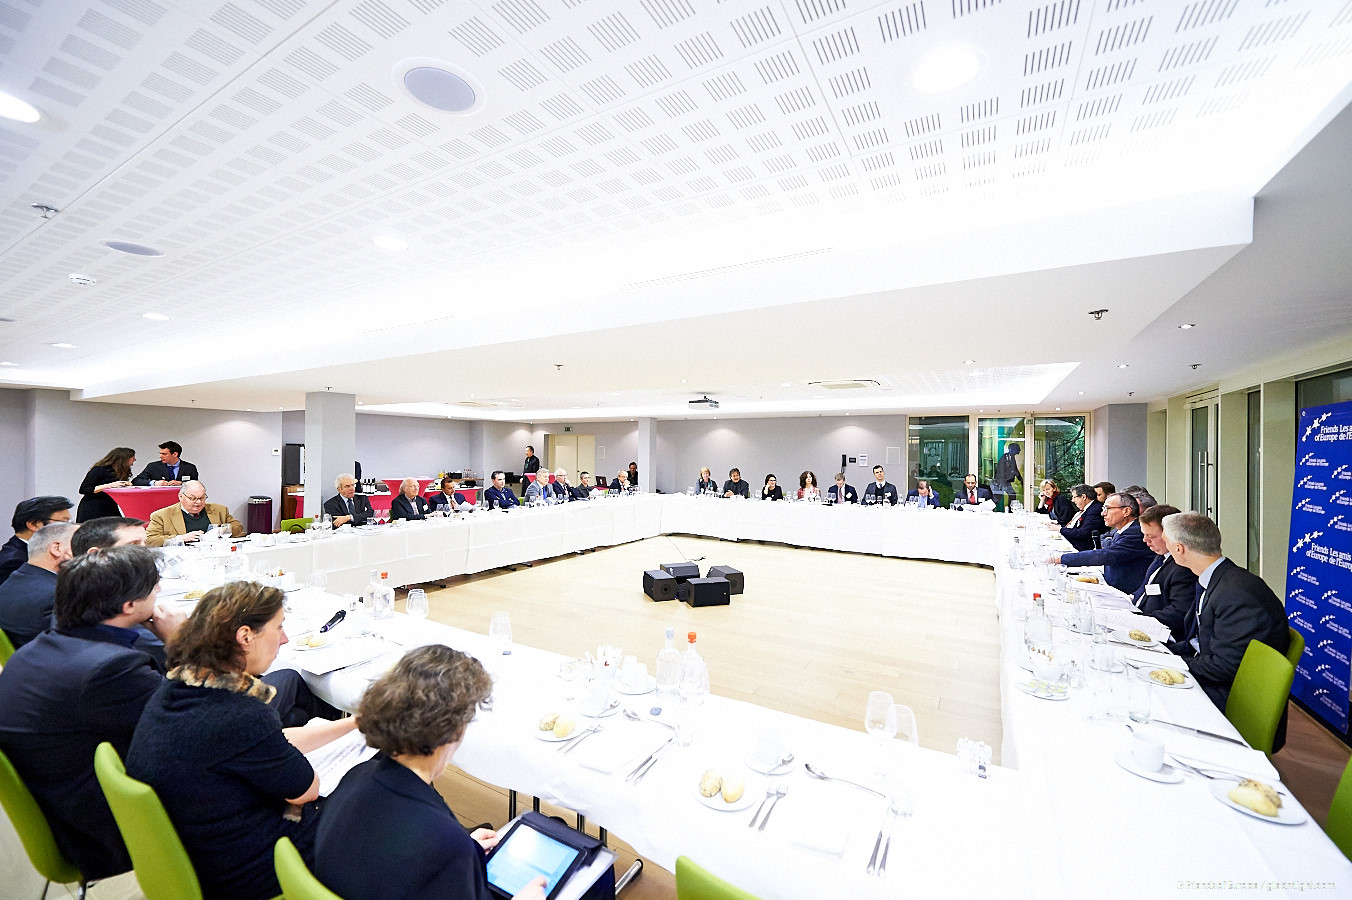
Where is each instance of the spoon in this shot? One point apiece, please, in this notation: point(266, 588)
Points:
point(818, 773)
point(635, 717)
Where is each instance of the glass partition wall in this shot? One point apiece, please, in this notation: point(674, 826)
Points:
point(937, 450)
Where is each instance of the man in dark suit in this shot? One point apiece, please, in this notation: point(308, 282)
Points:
point(1054, 504)
point(78, 685)
point(1169, 590)
point(409, 504)
point(563, 491)
point(26, 598)
point(168, 469)
point(348, 506)
point(735, 486)
point(1086, 524)
point(584, 487)
point(1124, 556)
point(922, 491)
point(498, 496)
point(971, 494)
point(1233, 607)
point(840, 492)
point(880, 490)
point(532, 462)
point(29, 516)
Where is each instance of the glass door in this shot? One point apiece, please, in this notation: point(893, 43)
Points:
point(1202, 477)
point(1002, 460)
point(1058, 452)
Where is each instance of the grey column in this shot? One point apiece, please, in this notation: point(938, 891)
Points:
point(647, 454)
point(330, 444)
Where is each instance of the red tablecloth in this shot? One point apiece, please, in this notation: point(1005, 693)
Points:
point(140, 502)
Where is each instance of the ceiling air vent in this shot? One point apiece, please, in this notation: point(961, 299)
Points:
point(845, 384)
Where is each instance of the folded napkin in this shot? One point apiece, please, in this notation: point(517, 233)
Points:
point(336, 758)
point(613, 748)
point(340, 655)
point(1124, 621)
point(821, 816)
point(1155, 660)
point(1206, 752)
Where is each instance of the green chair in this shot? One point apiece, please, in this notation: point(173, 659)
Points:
point(296, 526)
point(694, 883)
point(1258, 695)
point(6, 648)
point(294, 876)
point(1339, 827)
point(1296, 647)
point(157, 856)
point(34, 831)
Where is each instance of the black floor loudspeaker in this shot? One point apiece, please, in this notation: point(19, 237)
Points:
point(681, 570)
point(659, 585)
point(736, 580)
point(706, 592)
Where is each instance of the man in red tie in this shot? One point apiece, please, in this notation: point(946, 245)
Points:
point(971, 494)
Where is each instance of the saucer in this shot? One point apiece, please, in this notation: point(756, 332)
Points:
point(1166, 774)
point(756, 765)
point(1043, 691)
point(634, 692)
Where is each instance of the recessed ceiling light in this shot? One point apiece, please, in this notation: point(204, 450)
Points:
point(785, 384)
point(63, 345)
point(8, 363)
point(361, 403)
point(1186, 325)
point(389, 242)
point(155, 317)
point(133, 249)
point(1122, 365)
point(682, 381)
point(1081, 393)
point(281, 407)
point(247, 409)
point(945, 69)
point(440, 85)
point(968, 362)
point(471, 396)
point(12, 107)
point(1058, 409)
point(516, 400)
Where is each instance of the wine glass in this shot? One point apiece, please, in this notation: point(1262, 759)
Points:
point(500, 633)
point(416, 605)
point(880, 720)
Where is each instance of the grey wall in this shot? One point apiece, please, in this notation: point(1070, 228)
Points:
point(783, 446)
point(401, 446)
point(1118, 445)
point(16, 475)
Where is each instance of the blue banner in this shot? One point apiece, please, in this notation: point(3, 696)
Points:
point(1319, 567)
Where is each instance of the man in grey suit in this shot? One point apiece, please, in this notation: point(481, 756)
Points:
point(1233, 607)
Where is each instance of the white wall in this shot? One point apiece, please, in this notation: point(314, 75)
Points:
point(618, 440)
point(403, 446)
point(1117, 446)
point(784, 446)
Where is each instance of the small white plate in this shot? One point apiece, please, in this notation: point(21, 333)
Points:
point(777, 769)
point(1289, 813)
point(1166, 774)
point(591, 713)
point(549, 737)
point(1043, 691)
point(634, 692)
point(1144, 675)
point(753, 793)
point(1126, 636)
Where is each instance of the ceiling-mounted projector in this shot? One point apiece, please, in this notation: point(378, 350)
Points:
point(705, 401)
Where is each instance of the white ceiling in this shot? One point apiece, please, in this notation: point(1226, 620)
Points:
point(668, 198)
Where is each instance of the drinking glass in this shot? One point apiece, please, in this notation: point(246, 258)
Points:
point(416, 604)
point(500, 633)
point(880, 720)
point(906, 729)
point(319, 580)
point(1138, 699)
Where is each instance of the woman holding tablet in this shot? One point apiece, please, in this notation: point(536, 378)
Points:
point(386, 833)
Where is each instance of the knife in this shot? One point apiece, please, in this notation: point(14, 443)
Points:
point(1202, 731)
point(339, 616)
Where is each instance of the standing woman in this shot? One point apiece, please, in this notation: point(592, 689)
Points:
point(113, 471)
point(386, 833)
point(771, 491)
point(807, 486)
point(231, 778)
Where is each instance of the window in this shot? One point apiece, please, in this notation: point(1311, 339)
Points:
point(1001, 463)
point(1058, 451)
point(937, 451)
point(1254, 474)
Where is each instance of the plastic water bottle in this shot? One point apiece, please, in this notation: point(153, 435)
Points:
point(669, 668)
point(1037, 628)
point(693, 680)
point(379, 596)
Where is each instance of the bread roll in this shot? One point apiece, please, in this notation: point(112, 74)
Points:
point(1137, 635)
point(1256, 796)
point(563, 727)
point(710, 783)
point(547, 721)
point(732, 789)
point(1168, 676)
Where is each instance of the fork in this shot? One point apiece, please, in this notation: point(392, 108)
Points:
point(878, 842)
point(779, 794)
point(769, 792)
point(567, 748)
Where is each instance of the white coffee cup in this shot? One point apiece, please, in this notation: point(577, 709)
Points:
point(635, 674)
point(1147, 752)
point(769, 747)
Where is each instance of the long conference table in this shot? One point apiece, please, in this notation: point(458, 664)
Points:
point(1059, 817)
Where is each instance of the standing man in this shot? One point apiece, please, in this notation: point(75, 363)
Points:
point(1234, 607)
point(881, 490)
point(189, 519)
point(840, 492)
point(923, 492)
point(972, 494)
point(1086, 524)
point(1169, 590)
point(26, 598)
point(168, 469)
point(1007, 472)
point(29, 516)
point(498, 496)
point(532, 464)
point(1124, 556)
point(735, 486)
point(348, 506)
